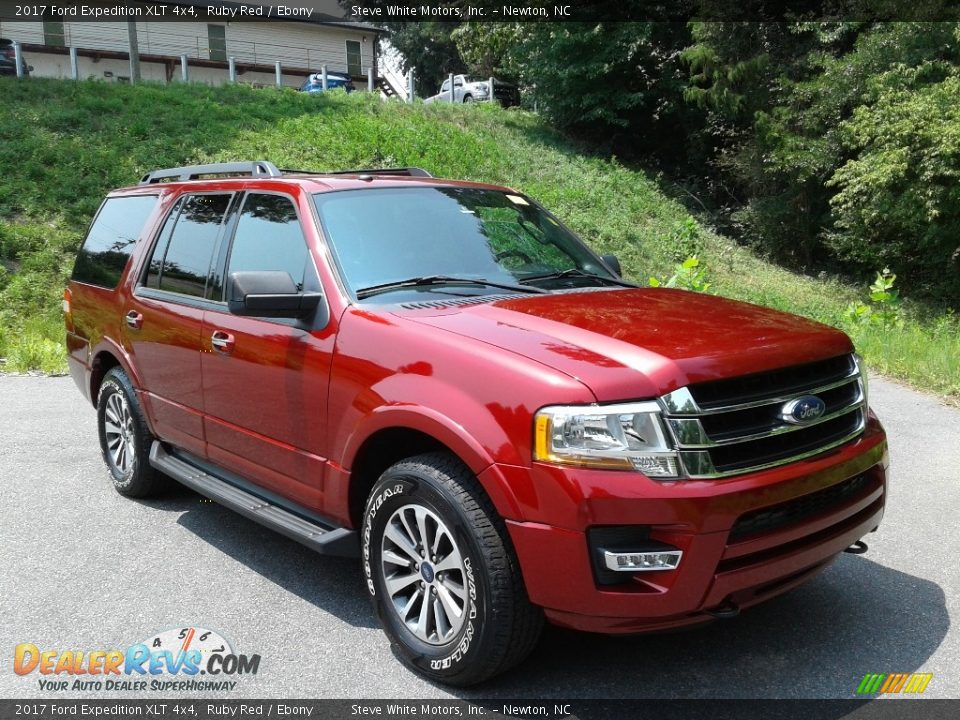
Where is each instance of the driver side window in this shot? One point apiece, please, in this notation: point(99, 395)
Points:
point(269, 237)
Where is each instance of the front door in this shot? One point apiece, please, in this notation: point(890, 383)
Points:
point(265, 380)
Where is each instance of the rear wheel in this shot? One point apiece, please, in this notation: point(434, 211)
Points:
point(125, 439)
point(442, 574)
point(468, 98)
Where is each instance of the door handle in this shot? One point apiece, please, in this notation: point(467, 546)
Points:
point(134, 319)
point(222, 342)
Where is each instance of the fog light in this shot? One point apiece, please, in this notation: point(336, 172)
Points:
point(642, 561)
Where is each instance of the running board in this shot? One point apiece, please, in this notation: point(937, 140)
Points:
point(323, 539)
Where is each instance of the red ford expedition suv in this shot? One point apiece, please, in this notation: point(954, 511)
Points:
point(440, 379)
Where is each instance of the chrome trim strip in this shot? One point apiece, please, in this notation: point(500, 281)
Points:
point(781, 430)
point(674, 408)
point(688, 432)
point(861, 426)
point(679, 402)
point(610, 560)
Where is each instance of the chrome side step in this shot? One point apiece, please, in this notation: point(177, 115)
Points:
point(323, 539)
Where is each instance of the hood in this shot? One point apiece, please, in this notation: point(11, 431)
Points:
point(639, 343)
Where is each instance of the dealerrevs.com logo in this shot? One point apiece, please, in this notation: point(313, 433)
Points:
point(179, 659)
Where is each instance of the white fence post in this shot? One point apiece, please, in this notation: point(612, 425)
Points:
point(184, 68)
point(490, 89)
point(323, 77)
point(411, 84)
point(233, 69)
point(18, 58)
point(74, 64)
point(452, 95)
point(369, 79)
point(279, 70)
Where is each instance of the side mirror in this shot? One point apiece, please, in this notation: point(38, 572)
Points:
point(269, 293)
point(613, 263)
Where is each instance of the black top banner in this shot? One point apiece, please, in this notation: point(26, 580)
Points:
point(384, 12)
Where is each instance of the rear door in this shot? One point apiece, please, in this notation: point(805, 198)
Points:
point(163, 321)
point(265, 380)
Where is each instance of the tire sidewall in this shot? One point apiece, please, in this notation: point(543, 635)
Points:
point(394, 490)
point(110, 386)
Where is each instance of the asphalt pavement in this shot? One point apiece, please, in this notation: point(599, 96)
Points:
point(82, 568)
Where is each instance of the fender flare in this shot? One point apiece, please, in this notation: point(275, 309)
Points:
point(445, 431)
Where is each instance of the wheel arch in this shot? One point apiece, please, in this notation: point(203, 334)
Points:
point(403, 433)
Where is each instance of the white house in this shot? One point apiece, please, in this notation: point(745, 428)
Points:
point(301, 46)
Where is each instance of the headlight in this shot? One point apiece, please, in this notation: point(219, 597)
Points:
point(864, 380)
point(629, 436)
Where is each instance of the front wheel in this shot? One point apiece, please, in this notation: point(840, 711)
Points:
point(443, 575)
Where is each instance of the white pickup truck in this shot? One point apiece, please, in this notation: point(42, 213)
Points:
point(467, 89)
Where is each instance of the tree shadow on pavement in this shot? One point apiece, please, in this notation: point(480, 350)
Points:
point(815, 642)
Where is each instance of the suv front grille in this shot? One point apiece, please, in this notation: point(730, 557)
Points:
point(734, 426)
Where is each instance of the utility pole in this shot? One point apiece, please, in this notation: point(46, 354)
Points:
point(134, 52)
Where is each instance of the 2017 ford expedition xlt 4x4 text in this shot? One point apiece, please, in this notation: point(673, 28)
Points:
point(439, 378)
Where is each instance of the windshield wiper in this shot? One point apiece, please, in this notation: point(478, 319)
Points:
point(428, 280)
point(577, 272)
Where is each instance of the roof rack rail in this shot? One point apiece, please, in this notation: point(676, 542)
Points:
point(253, 168)
point(404, 171)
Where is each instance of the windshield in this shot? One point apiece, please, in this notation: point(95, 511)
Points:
point(387, 235)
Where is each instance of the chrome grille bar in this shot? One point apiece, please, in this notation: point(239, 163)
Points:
point(706, 457)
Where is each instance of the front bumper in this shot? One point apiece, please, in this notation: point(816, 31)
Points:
point(718, 571)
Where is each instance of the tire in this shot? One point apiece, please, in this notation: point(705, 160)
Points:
point(468, 98)
point(125, 439)
point(476, 573)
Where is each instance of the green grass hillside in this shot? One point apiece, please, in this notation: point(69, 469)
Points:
point(64, 144)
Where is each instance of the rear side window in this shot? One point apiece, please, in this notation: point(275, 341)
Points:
point(182, 257)
point(111, 239)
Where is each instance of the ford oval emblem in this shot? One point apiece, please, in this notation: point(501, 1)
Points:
point(803, 410)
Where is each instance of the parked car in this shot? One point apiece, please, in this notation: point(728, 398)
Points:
point(439, 379)
point(466, 90)
point(8, 59)
point(314, 83)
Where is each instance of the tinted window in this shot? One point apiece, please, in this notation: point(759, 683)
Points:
point(160, 249)
point(111, 240)
point(186, 262)
point(269, 237)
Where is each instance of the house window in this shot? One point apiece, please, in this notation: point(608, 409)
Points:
point(354, 62)
point(54, 34)
point(217, 42)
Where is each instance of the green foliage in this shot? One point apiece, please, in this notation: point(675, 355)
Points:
point(882, 307)
point(898, 200)
point(98, 136)
point(615, 84)
point(838, 139)
point(485, 47)
point(688, 275)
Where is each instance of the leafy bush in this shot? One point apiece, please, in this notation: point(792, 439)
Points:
point(688, 275)
point(898, 201)
point(883, 306)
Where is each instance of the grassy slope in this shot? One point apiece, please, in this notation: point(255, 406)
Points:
point(62, 145)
